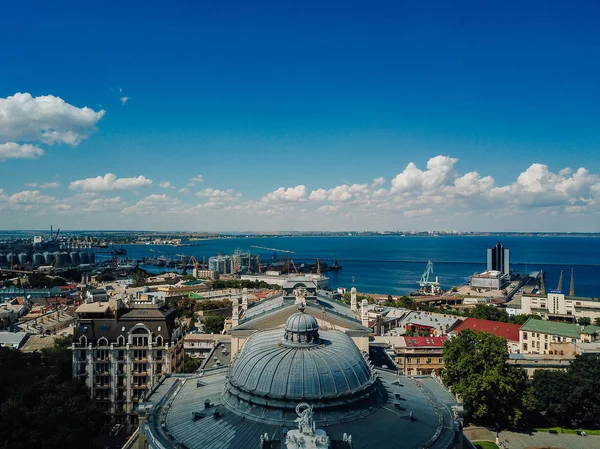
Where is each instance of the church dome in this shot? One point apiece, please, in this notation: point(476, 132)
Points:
point(275, 373)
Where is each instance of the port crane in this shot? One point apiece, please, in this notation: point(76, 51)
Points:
point(275, 251)
point(428, 287)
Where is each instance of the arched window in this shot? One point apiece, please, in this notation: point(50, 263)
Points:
point(83, 340)
point(159, 341)
point(121, 340)
point(102, 341)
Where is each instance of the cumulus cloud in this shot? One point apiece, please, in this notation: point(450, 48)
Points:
point(195, 180)
point(50, 185)
point(439, 171)
point(291, 194)
point(155, 204)
point(184, 190)
point(340, 193)
point(124, 100)
point(378, 182)
point(11, 150)
point(218, 195)
point(167, 185)
point(109, 182)
point(47, 119)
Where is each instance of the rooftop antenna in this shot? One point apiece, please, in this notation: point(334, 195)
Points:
point(572, 289)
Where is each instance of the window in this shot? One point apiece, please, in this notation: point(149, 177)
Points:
point(409, 361)
point(524, 346)
point(427, 360)
point(418, 361)
point(546, 346)
point(440, 360)
point(524, 335)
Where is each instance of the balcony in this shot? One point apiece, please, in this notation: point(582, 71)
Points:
point(101, 359)
point(102, 386)
point(140, 360)
point(102, 373)
point(140, 386)
point(140, 373)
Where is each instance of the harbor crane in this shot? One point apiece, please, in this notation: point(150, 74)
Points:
point(428, 287)
point(275, 250)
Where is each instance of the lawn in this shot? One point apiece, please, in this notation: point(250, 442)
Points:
point(568, 431)
point(485, 445)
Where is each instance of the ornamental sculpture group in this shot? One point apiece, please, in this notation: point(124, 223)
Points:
point(306, 436)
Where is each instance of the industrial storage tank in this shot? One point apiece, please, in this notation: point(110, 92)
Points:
point(92, 257)
point(84, 257)
point(12, 259)
point(74, 257)
point(38, 259)
point(62, 259)
point(3, 260)
point(48, 258)
point(23, 258)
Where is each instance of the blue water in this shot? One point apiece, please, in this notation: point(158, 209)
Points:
point(394, 264)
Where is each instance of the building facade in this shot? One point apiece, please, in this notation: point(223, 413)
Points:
point(498, 259)
point(419, 356)
point(122, 351)
point(552, 338)
point(555, 305)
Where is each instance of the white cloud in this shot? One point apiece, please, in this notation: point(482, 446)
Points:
point(167, 185)
point(378, 182)
point(184, 190)
point(48, 119)
point(109, 182)
point(195, 180)
point(11, 150)
point(124, 100)
point(439, 171)
point(155, 204)
point(418, 212)
point(218, 195)
point(291, 194)
point(340, 193)
point(50, 185)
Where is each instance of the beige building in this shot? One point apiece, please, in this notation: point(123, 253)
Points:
point(557, 305)
point(553, 338)
point(418, 356)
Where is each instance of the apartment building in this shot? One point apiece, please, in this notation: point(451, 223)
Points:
point(419, 356)
point(510, 332)
point(557, 306)
point(553, 338)
point(122, 349)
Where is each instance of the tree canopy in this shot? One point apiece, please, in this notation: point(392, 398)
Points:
point(41, 406)
point(476, 369)
point(213, 324)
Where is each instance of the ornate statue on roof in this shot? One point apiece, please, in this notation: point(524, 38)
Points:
point(300, 294)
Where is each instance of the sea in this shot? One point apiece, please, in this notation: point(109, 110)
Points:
point(394, 264)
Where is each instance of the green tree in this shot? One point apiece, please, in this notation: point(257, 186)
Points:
point(486, 312)
point(41, 406)
point(522, 319)
point(584, 321)
point(213, 324)
point(191, 364)
point(476, 369)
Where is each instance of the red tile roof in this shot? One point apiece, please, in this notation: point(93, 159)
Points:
point(505, 330)
point(420, 342)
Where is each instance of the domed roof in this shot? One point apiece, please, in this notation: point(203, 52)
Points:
point(301, 322)
point(268, 368)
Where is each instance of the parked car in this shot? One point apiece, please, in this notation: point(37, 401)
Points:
point(115, 430)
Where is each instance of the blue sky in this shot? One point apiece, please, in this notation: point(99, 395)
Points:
point(307, 98)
